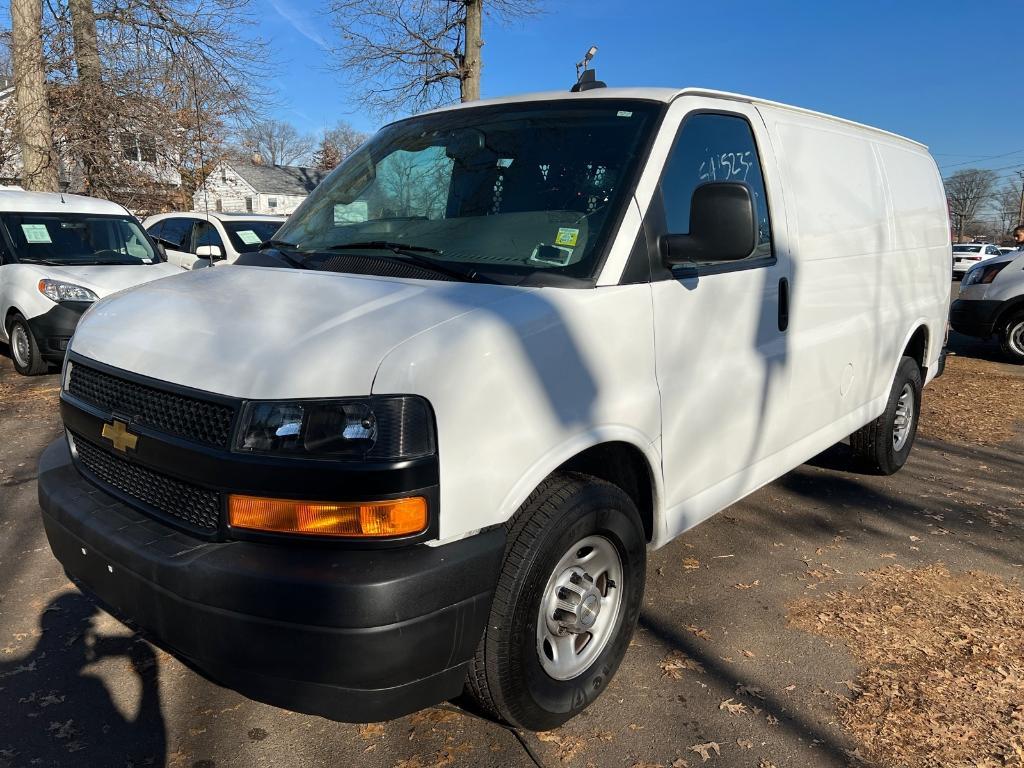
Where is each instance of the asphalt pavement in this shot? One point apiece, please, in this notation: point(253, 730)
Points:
point(78, 689)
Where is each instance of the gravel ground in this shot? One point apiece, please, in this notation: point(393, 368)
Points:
point(716, 668)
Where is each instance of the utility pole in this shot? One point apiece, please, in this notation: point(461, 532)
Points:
point(1020, 217)
point(472, 60)
point(35, 133)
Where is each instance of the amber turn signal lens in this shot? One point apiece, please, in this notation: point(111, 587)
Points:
point(366, 519)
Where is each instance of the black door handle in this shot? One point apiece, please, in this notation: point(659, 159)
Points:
point(783, 304)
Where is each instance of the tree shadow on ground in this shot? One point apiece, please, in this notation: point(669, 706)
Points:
point(57, 710)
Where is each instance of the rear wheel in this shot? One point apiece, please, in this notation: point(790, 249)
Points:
point(1011, 339)
point(567, 601)
point(883, 446)
point(24, 350)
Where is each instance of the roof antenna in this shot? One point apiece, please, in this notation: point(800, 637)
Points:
point(586, 79)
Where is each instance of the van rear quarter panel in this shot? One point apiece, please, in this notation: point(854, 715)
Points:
point(871, 252)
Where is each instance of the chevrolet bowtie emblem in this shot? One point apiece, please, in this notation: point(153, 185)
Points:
point(118, 434)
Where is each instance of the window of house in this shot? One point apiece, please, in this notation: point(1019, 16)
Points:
point(272, 202)
point(224, 175)
point(219, 205)
point(248, 205)
point(129, 147)
point(713, 147)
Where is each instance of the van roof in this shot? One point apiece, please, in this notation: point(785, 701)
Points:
point(55, 202)
point(668, 95)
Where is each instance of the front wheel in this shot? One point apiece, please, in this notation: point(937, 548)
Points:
point(566, 604)
point(28, 361)
point(883, 446)
point(1011, 339)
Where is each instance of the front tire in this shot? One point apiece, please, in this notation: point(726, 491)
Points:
point(883, 446)
point(24, 350)
point(557, 632)
point(1011, 338)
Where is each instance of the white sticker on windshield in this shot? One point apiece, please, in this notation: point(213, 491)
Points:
point(36, 233)
point(351, 213)
point(249, 237)
point(623, 113)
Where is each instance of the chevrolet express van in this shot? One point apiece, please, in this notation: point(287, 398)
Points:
point(59, 254)
point(424, 440)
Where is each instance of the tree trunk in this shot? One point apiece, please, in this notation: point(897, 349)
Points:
point(473, 62)
point(35, 134)
point(93, 142)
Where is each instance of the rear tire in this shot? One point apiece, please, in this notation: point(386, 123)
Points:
point(1011, 338)
point(536, 666)
point(883, 446)
point(24, 350)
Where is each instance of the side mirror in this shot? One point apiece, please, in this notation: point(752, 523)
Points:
point(161, 251)
point(211, 252)
point(723, 226)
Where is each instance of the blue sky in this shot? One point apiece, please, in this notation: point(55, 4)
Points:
point(945, 73)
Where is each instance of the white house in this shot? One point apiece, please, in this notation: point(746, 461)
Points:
point(246, 187)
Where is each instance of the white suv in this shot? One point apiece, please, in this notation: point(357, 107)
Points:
point(194, 240)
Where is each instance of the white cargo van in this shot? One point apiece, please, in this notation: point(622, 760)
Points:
point(59, 254)
point(427, 438)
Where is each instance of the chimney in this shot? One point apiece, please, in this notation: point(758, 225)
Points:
point(257, 158)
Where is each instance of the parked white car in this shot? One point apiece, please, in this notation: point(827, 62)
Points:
point(1005, 249)
point(194, 239)
point(966, 255)
point(507, 348)
point(59, 254)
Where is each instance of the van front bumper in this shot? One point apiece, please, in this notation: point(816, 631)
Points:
point(974, 317)
point(53, 329)
point(353, 635)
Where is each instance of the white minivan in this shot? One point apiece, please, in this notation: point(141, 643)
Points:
point(426, 438)
point(58, 254)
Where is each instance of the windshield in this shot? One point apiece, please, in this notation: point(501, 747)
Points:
point(246, 236)
point(966, 249)
point(507, 191)
point(77, 238)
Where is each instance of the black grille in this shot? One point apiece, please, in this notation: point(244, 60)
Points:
point(197, 507)
point(181, 415)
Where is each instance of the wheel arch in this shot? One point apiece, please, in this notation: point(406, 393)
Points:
point(1007, 310)
point(615, 455)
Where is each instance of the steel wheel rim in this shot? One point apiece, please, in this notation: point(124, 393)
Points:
point(904, 418)
point(1015, 338)
point(579, 607)
point(20, 347)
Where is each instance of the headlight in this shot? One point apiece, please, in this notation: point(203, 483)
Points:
point(391, 427)
point(983, 274)
point(58, 291)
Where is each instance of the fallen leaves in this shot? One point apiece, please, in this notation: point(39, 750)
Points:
point(676, 663)
point(705, 750)
point(691, 564)
point(733, 707)
point(751, 585)
point(996, 398)
point(943, 660)
point(698, 632)
point(566, 746)
point(371, 730)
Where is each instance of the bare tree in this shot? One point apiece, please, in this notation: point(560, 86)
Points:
point(966, 191)
point(336, 144)
point(277, 143)
point(1007, 206)
point(35, 134)
point(403, 55)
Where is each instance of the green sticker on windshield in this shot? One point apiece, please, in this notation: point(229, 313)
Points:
point(567, 236)
point(36, 233)
point(249, 237)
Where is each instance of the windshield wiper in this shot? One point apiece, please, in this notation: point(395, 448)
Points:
point(47, 262)
point(279, 246)
point(412, 253)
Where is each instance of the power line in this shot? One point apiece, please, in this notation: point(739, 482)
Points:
point(977, 159)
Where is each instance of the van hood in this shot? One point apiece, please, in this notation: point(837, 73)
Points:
point(105, 279)
point(269, 333)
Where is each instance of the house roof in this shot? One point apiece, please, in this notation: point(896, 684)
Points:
point(279, 179)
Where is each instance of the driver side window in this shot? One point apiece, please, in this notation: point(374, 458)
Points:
point(714, 147)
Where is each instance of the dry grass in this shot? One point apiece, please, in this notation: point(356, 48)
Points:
point(943, 659)
point(974, 401)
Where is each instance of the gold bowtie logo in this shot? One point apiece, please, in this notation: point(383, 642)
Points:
point(118, 434)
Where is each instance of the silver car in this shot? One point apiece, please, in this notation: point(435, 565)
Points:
point(991, 302)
